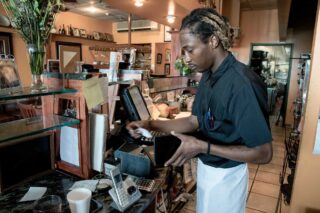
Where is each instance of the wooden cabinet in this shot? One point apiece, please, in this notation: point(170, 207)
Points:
point(57, 105)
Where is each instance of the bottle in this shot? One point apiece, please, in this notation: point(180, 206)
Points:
point(60, 30)
point(63, 31)
point(67, 31)
point(70, 30)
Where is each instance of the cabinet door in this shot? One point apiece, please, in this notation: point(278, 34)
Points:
point(72, 143)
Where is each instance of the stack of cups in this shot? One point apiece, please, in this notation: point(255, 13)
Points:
point(79, 200)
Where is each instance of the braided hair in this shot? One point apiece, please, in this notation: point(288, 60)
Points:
point(205, 22)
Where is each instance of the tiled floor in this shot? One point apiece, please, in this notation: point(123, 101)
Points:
point(264, 183)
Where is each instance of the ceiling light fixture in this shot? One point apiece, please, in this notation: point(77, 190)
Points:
point(138, 3)
point(106, 13)
point(92, 2)
point(171, 18)
point(92, 9)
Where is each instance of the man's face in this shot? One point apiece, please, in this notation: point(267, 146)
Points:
point(198, 55)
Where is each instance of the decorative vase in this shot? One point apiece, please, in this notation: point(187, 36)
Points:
point(36, 61)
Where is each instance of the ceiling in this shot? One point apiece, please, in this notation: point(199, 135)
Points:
point(155, 10)
point(97, 9)
point(258, 4)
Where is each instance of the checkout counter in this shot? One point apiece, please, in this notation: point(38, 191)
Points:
point(59, 183)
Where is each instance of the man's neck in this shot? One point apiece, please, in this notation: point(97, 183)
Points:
point(220, 56)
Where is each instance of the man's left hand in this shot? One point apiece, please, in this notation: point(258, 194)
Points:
point(189, 147)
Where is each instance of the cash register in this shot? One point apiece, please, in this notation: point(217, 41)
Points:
point(163, 145)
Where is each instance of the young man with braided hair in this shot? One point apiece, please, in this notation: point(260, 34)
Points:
point(229, 115)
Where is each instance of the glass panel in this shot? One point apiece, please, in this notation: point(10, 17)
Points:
point(34, 125)
point(26, 93)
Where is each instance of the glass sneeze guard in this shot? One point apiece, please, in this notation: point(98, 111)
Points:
point(26, 93)
point(30, 126)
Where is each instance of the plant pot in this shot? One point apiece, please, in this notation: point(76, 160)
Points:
point(36, 62)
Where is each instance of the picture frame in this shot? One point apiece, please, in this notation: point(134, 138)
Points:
point(68, 54)
point(96, 35)
point(167, 34)
point(9, 77)
point(69, 108)
point(76, 32)
point(53, 65)
point(6, 47)
point(167, 69)
point(167, 55)
point(103, 36)
point(109, 37)
point(159, 58)
point(83, 33)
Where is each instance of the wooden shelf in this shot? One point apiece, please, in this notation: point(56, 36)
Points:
point(78, 39)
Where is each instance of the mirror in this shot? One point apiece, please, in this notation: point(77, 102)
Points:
point(272, 62)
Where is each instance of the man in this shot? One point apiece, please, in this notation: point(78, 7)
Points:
point(229, 114)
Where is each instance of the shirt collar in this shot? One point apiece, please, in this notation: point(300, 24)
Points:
point(214, 77)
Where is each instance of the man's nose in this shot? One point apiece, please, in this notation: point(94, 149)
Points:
point(187, 59)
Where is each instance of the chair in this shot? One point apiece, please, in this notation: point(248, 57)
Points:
point(28, 110)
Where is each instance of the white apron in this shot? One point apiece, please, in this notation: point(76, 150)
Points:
point(221, 190)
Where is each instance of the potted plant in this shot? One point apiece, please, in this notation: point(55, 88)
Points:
point(33, 19)
point(182, 66)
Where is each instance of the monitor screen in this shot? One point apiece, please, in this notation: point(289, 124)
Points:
point(139, 103)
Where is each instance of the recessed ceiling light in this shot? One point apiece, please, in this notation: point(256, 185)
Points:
point(92, 2)
point(92, 9)
point(106, 13)
point(171, 18)
point(138, 3)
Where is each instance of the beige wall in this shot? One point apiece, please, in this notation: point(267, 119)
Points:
point(141, 37)
point(306, 188)
point(162, 48)
point(81, 22)
point(260, 26)
point(20, 53)
point(302, 40)
point(65, 18)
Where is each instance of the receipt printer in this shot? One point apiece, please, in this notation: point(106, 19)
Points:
point(134, 161)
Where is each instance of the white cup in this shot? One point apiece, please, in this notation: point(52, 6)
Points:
point(79, 200)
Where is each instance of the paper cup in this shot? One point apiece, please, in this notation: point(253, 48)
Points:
point(79, 200)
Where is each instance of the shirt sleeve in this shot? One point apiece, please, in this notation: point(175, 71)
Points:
point(248, 117)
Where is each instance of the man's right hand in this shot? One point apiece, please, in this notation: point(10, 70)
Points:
point(132, 126)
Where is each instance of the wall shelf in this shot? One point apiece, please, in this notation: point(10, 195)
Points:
point(30, 126)
point(78, 39)
point(26, 93)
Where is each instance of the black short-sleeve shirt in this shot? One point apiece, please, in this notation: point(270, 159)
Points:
point(231, 107)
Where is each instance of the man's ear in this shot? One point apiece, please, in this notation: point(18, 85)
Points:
point(214, 41)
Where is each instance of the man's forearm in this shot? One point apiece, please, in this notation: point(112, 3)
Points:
point(260, 155)
point(182, 125)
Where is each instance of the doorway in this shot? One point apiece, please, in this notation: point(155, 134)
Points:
point(272, 62)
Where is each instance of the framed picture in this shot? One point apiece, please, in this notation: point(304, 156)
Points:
point(76, 32)
point(68, 54)
point(167, 33)
point(159, 58)
point(103, 36)
point(96, 35)
point(6, 43)
point(83, 33)
point(53, 65)
point(109, 37)
point(167, 69)
point(9, 78)
point(67, 106)
point(168, 55)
